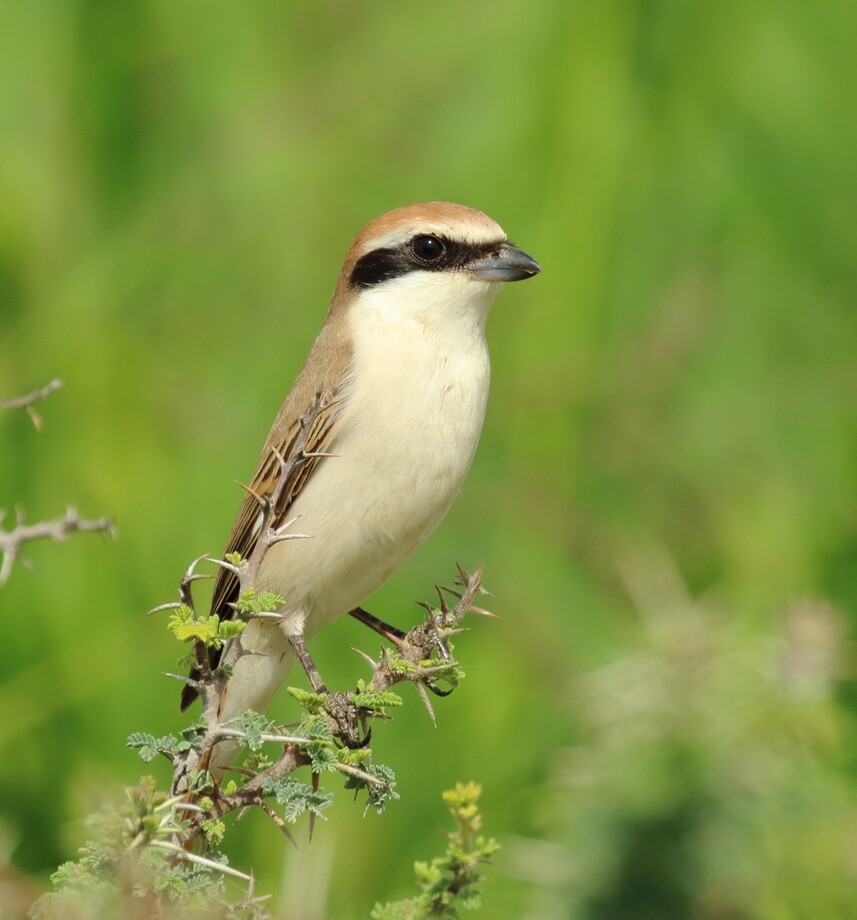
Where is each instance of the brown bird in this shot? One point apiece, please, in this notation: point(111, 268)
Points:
point(403, 363)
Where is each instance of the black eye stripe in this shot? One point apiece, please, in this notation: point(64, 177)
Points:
point(382, 265)
point(378, 266)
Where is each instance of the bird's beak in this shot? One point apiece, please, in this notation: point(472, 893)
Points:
point(508, 263)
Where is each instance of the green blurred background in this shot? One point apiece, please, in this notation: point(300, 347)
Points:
point(664, 495)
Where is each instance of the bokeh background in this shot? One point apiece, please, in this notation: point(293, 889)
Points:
point(663, 717)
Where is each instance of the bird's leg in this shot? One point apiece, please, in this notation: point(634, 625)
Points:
point(299, 648)
point(391, 633)
point(337, 705)
point(398, 638)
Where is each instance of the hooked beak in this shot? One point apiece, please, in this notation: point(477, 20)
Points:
point(508, 263)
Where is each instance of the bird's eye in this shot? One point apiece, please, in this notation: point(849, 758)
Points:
point(427, 248)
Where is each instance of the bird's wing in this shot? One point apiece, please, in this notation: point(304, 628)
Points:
point(310, 434)
point(307, 424)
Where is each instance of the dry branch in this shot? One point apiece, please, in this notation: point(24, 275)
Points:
point(27, 402)
point(12, 541)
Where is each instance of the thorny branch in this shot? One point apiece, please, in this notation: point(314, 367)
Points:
point(11, 541)
point(413, 662)
point(27, 402)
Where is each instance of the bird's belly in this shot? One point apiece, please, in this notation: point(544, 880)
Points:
point(399, 464)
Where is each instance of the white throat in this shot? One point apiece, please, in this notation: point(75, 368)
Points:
point(445, 305)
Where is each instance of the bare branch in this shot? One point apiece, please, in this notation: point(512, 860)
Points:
point(12, 541)
point(27, 402)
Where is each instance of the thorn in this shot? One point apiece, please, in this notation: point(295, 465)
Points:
point(367, 658)
point(242, 772)
point(482, 612)
point(261, 499)
point(192, 567)
point(281, 824)
point(241, 814)
point(225, 565)
point(314, 782)
point(286, 524)
point(36, 418)
point(443, 607)
point(184, 679)
point(421, 690)
point(431, 670)
point(171, 605)
point(280, 537)
point(279, 455)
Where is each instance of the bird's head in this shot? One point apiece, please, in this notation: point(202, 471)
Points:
point(432, 258)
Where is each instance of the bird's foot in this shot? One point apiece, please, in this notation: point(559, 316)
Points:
point(346, 718)
point(427, 640)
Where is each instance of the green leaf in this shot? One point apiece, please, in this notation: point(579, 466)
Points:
point(214, 830)
point(145, 745)
point(400, 665)
point(316, 728)
point(297, 798)
point(253, 725)
point(229, 629)
point(187, 627)
point(377, 794)
point(257, 762)
point(376, 702)
point(448, 881)
point(323, 758)
point(252, 604)
point(312, 702)
point(354, 757)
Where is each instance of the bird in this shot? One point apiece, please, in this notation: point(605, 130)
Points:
point(402, 365)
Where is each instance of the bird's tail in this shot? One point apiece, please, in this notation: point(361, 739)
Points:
point(256, 676)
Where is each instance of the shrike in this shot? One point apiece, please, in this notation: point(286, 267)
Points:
point(403, 357)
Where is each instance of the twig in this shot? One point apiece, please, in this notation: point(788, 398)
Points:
point(360, 774)
point(26, 402)
point(264, 736)
point(201, 860)
point(11, 541)
point(416, 649)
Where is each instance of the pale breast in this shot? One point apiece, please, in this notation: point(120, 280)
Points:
point(408, 437)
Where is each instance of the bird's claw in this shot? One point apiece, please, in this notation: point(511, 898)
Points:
point(432, 687)
point(346, 719)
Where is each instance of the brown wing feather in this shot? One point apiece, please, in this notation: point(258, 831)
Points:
point(242, 539)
